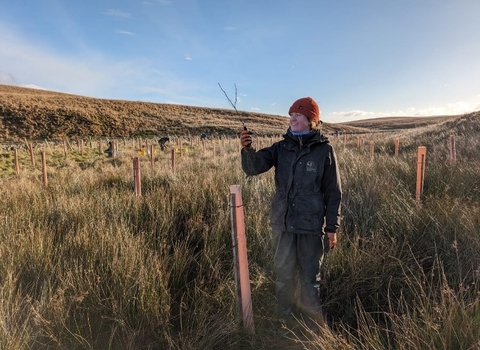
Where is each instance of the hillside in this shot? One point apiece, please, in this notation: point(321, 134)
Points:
point(395, 123)
point(40, 114)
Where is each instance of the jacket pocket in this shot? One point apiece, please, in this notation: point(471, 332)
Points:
point(278, 210)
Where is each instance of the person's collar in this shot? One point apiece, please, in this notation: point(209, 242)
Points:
point(300, 133)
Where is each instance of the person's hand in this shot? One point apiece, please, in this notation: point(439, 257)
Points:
point(246, 138)
point(332, 240)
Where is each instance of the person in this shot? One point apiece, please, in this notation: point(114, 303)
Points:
point(305, 209)
point(109, 151)
point(162, 141)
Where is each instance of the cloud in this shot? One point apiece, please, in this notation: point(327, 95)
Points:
point(230, 29)
point(455, 108)
point(124, 32)
point(30, 62)
point(255, 109)
point(188, 57)
point(117, 14)
point(32, 86)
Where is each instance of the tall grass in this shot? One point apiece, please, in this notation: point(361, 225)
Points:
point(87, 265)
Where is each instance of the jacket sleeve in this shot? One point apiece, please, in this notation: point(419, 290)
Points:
point(332, 192)
point(257, 162)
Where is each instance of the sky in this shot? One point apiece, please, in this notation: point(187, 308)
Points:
point(357, 58)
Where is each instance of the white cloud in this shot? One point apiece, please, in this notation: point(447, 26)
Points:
point(255, 109)
point(188, 57)
point(117, 14)
point(124, 32)
point(456, 108)
point(26, 63)
point(230, 29)
point(32, 86)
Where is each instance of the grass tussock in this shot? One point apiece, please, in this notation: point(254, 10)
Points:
point(85, 264)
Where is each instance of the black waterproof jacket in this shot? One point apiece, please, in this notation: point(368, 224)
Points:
point(308, 187)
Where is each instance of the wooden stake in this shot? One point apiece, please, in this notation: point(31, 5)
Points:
point(372, 149)
point(173, 160)
point(421, 155)
point(397, 146)
point(136, 177)
point(44, 169)
point(245, 291)
point(236, 273)
point(453, 151)
point(32, 155)
point(151, 155)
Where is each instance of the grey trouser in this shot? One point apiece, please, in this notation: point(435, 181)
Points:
point(297, 257)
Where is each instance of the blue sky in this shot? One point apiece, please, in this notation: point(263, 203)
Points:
point(357, 58)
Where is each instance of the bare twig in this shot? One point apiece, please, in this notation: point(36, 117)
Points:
point(234, 105)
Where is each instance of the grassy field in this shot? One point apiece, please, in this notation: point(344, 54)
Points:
point(86, 264)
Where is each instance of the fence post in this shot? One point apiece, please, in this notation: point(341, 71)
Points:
point(397, 146)
point(453, 151)
point(17, 166)
point(372, 149)
point(245, 291)
point(32, 155)
point(238, 294)
point(151, 155)
point(136, 177)
point(44, 169)
point(173, 160)
point(421, 155)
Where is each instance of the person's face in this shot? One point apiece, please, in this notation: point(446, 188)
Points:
point(299, 123)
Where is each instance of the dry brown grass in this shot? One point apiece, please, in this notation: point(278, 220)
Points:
point(393, 123)
point(88, 265)
point(40, 114)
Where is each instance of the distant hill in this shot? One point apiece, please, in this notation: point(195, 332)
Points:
point(40, 114)
point(395, 123)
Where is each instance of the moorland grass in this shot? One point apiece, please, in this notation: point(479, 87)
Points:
point(85, 264)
